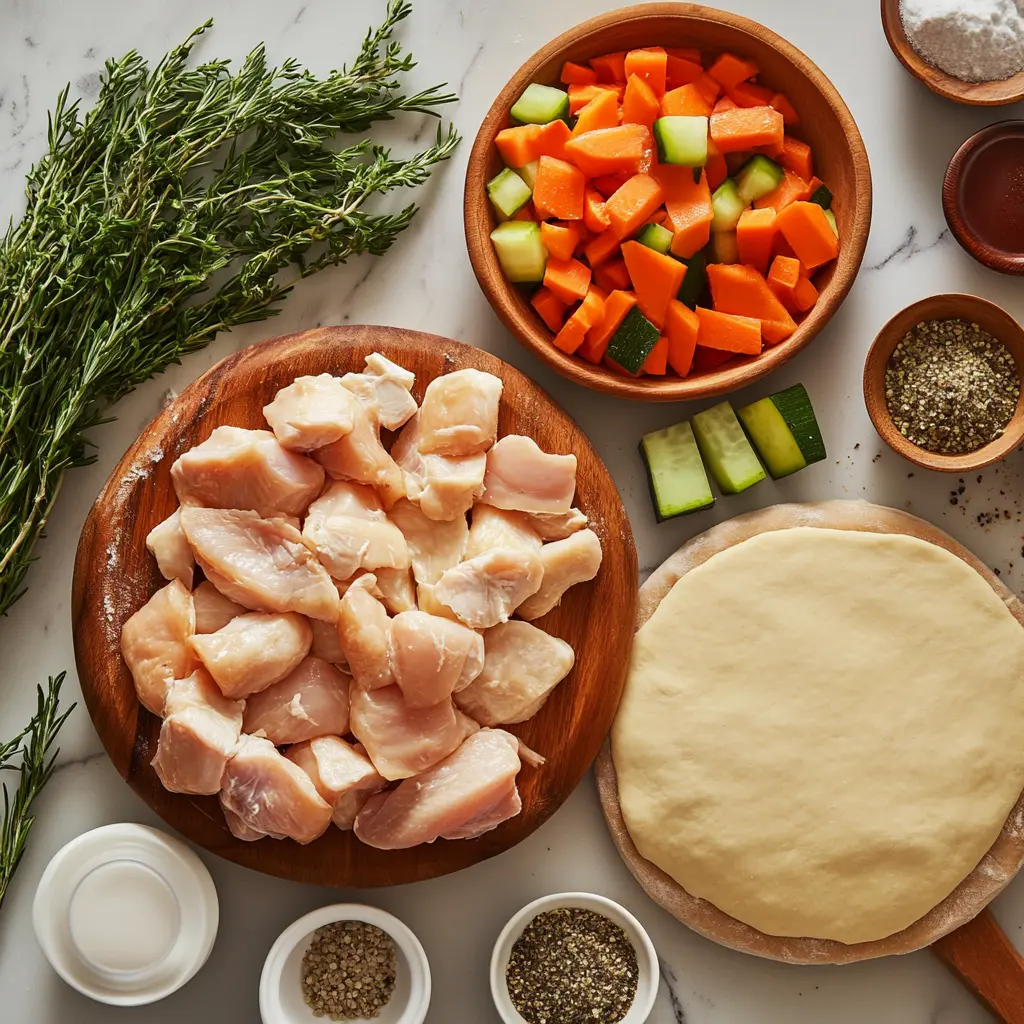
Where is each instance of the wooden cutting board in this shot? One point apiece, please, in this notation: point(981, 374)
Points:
point(114, 576)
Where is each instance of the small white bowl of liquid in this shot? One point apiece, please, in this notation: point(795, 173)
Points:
point(126, 914)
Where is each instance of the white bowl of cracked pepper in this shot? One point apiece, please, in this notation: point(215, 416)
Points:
point(574, 958)
point(942, 383)
point(345, 962)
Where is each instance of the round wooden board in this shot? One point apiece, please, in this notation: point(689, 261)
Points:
point(997, 867)
point(114, 575)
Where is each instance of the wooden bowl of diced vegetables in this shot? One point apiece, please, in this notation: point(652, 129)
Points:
point(667, 202)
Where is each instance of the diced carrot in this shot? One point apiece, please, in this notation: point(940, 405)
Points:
point(724, 104)
point(681, 71)
point(584, 232)
point(658, 217)
point(527, 212)
point(517, 146)
point(550, 307)
point(656, 362)
point(805, 295)
point(792, 189)
point(746, 94)
point(639, 103)
point(783, 278)
point(591, 310)
point(796, 156)
point(577, 74)
point(551, 139)
point(688, 205)
point(755, 235)
point(781, 246)
point(682, 327)
point(716, 168)
point(601, 112)
point(595, 214)
point(581, 95)
point(558, 189)
point(690, 53)
point(650, 64)
point(743, 291)
point(781, 103)
point(607, 184)
point(568, 279)
point(814, 184)
point(656, 279)
point(616, 306)
point(611, 67)
point(571, 335)
point(612, 275)
point(746, 128)
point(707, 359)
point(727, 332)
point(632, 204)
point(560, 240)
point(774, 331)
point(686, 101)
point(729, 70)
point(610, 150)
point(601, 247)
point(709, 88)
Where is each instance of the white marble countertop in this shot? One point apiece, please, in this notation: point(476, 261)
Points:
point(476, 45)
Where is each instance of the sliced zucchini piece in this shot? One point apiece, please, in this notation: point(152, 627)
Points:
point(632, 342)
point(726, 450)
point(521, 251)
point(831, 218)
point(508, 192)
point(757, 177)
point(724, 248)
point(675, 472)
point(655, 237)
point(528, 172)
point(784, 431)
point(726, 206)
point(682, 140)
point(823, 197)
point(540, 104)
point(696, 278)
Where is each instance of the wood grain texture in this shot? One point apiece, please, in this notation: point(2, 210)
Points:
point(989, 878)
point(991, 318)
point(114, 575)
point(974, 94)
point(828, 125)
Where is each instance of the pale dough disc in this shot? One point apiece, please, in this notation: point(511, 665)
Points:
point(821, 731)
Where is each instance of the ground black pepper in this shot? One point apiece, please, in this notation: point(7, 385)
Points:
point(572, 966)
point(348, 972)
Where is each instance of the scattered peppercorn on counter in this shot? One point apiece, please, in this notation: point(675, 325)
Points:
point(677, 224)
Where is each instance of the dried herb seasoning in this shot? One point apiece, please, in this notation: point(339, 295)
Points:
point(348, 972)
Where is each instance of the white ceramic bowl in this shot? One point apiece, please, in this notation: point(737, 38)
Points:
point(281, 1000)
point(646, 957)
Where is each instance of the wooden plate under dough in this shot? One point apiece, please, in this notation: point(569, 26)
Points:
point(986, 881)
point(114, 576)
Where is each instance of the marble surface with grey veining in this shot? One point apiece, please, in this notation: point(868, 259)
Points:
point(476, 45)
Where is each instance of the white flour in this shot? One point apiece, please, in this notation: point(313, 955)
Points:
point(973, 40)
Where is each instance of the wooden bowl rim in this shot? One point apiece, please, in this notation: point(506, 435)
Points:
point(874, 383)
point(538, 341)
point(973, 94)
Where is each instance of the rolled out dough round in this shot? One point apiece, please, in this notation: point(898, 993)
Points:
point(821, 731)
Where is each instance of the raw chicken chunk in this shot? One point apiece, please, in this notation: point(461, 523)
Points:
point(310, 701)
point(433, 546)
point(556, 525)
point(213, 609)
point(495, 528)
point(507, 806)
point(348, 531)
point(259, 563)
point(396, 589)
point(459, 415)
point(401, 740)
point(365, 633)
point(343, 776)
point(429, 603)
point(269, 794)
point(522, 477)
point(253, 651)
point(326, 643)
point(388, 385)
point(311, 412)
point(198, 735)
point(566, 563)
point(155, 644)
point(237, 827)
point(169, 546)
point(431, 657)
point(464, 793)
point(247, 469)
point(485, 590)
point(522, 665)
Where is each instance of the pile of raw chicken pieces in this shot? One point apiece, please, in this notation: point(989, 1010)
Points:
point(351, 653)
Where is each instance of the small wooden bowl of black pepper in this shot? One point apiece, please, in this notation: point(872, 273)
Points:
point(942, 383)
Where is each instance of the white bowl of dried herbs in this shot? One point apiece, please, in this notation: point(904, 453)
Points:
point(574, 956)
point(345, 962)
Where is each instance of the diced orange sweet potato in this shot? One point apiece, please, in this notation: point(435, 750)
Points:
point(581, 95)
point(631, 206)
point(595, 213)
point(729, 70)
point(639, 103)
point(681, 70)
point(755, 236)
point(550, 308)
point(805, 295)
point(743, 291)
point(551, 139)
point(591, 309)
point(577, 74)
point(774, 331)
point(746, 128)
point(724, 104)
point(715, 168)
point(650, 64)
point(517, 145)
point(709, 88)
point(686, 101)
point(601, 112)
point(796, 156)
point(609, 184)
point(806, 228)
point(656, 362)
point(705, 360)
point(571, 335)
point(602, 247)
point(560, 240)
point(690, 53)
point(746, 94)
point(781, 103)
point(656, 279)
point(568, 279)
point(612, 275)
point(688, 208)
point(610, 67)
point(610, 150)
point(792, 189)
point(682, 328)
point(558, 189)
point(616, 306)
point(783, 277)
point(728, 333)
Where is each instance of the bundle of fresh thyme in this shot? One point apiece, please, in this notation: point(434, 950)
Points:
point(188, 200)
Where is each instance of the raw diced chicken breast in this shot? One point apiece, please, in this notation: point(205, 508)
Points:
point(155, 644)
point(566, 563)
point(433, 546)
point(431, 657)
point(495, 528)
point(459, 414)
point(428, 602)
point(520, 476)
point(326, 642)
point(522, 665)
point(259, 563)
point(401, 740)
point(466, 787)
point(485, 590)
point(213, 609)
point(247, 469)
point(443, 486)
point(198, 735)
point(347, 530)
point(556, 525)
point(365, 633)
point(507, 806)
point(169, 546)
point(253, 651)
point(237, 827)
point(311, 412)
point(396, 589)
point(311, 701)
point(388, 385)
point(271, 794)
point(343, 776)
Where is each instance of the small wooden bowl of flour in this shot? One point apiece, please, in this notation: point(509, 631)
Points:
point(979, 94)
